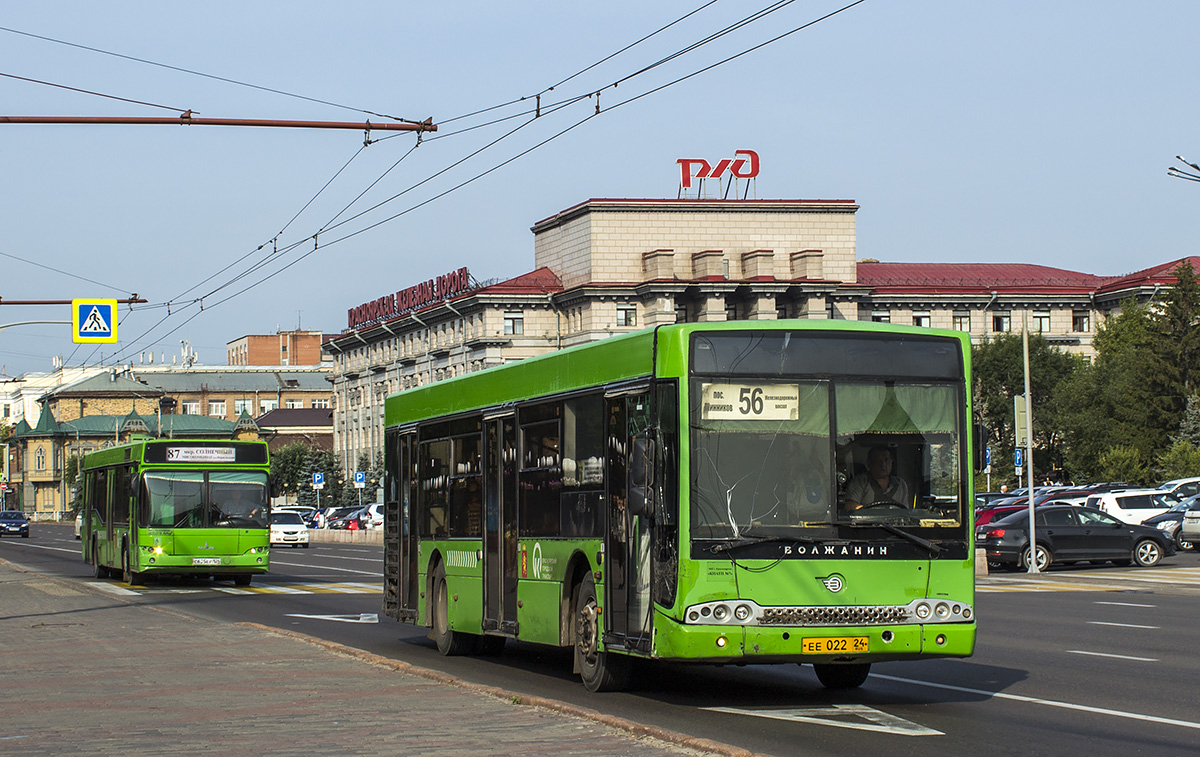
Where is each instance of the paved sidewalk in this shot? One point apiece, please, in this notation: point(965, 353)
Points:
point(82, 672)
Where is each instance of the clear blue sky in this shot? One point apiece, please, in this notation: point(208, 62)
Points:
point(1000, 132)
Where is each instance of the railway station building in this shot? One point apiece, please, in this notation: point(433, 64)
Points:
point(610, 266)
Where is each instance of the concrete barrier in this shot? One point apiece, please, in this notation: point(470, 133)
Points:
point(981, 568)
point(338, 536)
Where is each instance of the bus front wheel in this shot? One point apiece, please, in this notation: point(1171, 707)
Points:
point(449, 642)
point(600, 670)
point(98, 570)
point(129, 575)
point(843, 676)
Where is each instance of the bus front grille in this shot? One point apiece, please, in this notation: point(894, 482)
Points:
point(833, 616)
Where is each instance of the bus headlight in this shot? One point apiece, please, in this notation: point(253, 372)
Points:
point(923, 611)
point(720, 612)
point(741, 612)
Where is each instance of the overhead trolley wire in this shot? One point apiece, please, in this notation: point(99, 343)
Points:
point(203, 75)
point(278, 254)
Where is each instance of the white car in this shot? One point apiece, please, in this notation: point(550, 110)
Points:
point(1189, 529)
point(288, 528)
point(79, 524)
point(374, 515)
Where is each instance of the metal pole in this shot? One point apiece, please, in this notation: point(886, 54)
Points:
point(1033, 568)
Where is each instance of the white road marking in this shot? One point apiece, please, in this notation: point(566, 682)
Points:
point(1125, 604)
point(856, 716)
point(53, 549)
point(322, 567)
point(1113, 656)
point(1122, 625)
point(112, 588)
point(1046, 702)
point(366, 617)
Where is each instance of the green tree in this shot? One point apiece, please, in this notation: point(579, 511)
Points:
point(999, 374)
point(1180, 460)
point(1189, 426)
point(1124, 463)
point(289, 469)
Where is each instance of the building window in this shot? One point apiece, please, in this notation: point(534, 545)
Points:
point(293, 404)
point(266, 406)
point(1041, 321)
point(320, 403)
point(921, 318)
point(962, 322)
point(514, 323)
point(6, 411)
point(1081, 322)
point(216, 408)
point(39, 459)
point(881, 316)
point(626, 315)
point(681, 312)
point(242, 406)
point(781, 310)
point(189, 407)
point(1001, 323)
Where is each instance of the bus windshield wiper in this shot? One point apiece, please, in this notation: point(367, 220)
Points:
point(716, 549)
point(919, 541)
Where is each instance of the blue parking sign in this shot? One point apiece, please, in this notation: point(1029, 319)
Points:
point(318, 478)
point(360, 477)
point(1018, 458)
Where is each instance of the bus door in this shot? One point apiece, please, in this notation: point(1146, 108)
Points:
point(400, 546)
point(500, 524)
point(627, 536)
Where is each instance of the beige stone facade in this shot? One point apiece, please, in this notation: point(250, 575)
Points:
point(605, 267)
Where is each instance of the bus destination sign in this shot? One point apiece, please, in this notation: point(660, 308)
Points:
point(750, 402)
point(201, 454)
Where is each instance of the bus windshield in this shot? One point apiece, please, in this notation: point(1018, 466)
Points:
point(812, 457)
point(195, 499)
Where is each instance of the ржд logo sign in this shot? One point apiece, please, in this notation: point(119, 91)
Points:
point(741, 168)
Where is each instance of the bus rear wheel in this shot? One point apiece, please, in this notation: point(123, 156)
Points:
point(843, 676)
point(242, 579)
point(449, 642)
point(600, 670)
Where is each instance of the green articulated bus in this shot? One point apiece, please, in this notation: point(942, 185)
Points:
point(725, 493)
point(174, 506)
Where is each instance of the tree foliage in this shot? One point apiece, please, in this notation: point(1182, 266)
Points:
point(1117, 417)
point(999, 368)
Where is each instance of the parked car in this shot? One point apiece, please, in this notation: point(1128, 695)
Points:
point(14, 523)
point(1068, 534)
point(1189, 529)
point(374, 517)
point(307, 514)
point(1171, 522)
point(287, 527)
point(79, 525)
point(346, 518)
point(1181, 487)
point(1133, 505)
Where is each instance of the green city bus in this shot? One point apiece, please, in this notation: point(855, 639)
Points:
point(681, 493)
point(176, 506)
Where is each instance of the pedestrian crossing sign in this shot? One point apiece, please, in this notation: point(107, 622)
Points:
point(94, 320)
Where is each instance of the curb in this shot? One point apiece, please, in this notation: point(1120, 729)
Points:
point(633, 728)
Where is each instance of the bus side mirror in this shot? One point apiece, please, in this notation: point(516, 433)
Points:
point(979, 436)
point(641, 494)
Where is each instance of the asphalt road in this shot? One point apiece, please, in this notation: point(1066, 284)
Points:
point(1097, 661)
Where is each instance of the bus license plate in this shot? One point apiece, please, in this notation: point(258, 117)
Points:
point(206, 561)
point(833, 644)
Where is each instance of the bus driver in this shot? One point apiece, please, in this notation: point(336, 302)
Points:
point(877, 484)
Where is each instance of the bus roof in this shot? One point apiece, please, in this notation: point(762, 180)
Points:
point(619, 358)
